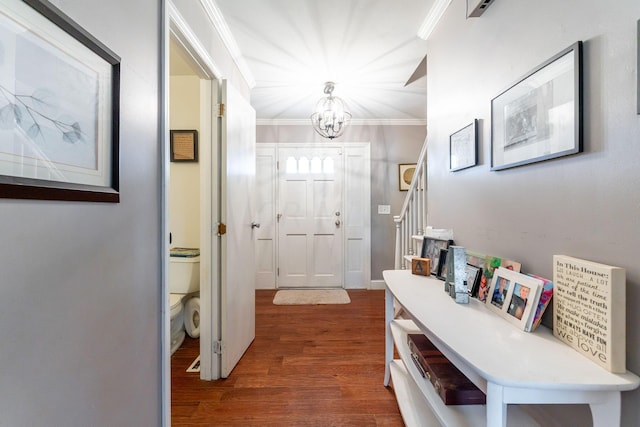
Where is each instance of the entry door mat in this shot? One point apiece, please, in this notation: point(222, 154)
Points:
point(195, 366)
point(311, 297)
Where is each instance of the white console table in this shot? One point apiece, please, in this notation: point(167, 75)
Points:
point(511, 366)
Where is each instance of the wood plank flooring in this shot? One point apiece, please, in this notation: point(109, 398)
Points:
point(311, 365)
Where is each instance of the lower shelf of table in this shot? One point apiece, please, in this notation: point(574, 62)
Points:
point(419, 403)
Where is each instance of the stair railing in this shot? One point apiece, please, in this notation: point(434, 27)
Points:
point(412, 221)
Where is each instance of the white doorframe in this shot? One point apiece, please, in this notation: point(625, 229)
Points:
point(363, 237)
point(174, 26)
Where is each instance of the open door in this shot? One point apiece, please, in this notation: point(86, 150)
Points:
point(237, 213)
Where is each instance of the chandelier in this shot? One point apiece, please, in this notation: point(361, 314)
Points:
point(330, 117)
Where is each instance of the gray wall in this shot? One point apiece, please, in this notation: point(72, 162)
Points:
point(390, 146)
point(80, 282)
point(586, 205)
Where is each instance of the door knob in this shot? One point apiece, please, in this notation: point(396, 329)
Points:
point(337, 223)
point(255, 225)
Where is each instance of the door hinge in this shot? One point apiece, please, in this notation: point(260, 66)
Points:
point(278, 271)
point(217, 347)
point(220, 110)
point(277, 165)
point(222, 229)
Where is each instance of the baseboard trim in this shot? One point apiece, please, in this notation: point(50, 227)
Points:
point(377, 284)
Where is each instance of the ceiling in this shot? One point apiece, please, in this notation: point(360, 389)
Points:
point(369, 48)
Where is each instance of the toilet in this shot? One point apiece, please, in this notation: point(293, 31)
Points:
point(184, 302)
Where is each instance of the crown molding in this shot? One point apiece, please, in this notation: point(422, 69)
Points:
point(356, 122)
point(220, 24)
point(433, 17)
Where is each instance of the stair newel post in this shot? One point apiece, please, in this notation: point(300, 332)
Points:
point(420, 197)
point(398, 257)
point(423, 180)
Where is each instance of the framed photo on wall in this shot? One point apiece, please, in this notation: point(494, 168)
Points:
point(184, 146)
point(539, 117)
point(405, 175)
point(59, 108)
point(463, 147)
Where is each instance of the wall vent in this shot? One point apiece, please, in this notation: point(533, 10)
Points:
point(476, 8)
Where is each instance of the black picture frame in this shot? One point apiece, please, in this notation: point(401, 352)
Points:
point(474, 274)
point(184, 145)
point(61, 149)
point(463, 147)
point(441, 272)
point(539, 117)
point(431, 249)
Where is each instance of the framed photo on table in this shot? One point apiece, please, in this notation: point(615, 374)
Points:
point(431, 248)
point(514, 296)
point(59, 108)
point(539, 117)
point(463, 147)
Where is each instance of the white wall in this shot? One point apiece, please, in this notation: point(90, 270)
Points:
point(184, 193)
point(586, 205)
point(80, 282)
point(390, 146)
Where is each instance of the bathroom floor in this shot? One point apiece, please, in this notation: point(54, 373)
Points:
point(308, 365)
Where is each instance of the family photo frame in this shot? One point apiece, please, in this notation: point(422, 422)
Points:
point(463, 147)
point(540, 116)
point(514, 296)
point(432, 248)
point(59, 108)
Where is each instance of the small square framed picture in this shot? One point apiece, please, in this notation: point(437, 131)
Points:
point(184, 146)
point(514, 296)
point(463, 147)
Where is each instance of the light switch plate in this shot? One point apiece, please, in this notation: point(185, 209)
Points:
point(384, 209)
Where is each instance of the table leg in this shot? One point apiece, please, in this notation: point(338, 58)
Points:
point(388, 318)
point(607, 412)
point(496, 408)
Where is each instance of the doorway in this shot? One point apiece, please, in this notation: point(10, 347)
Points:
point(314, 207)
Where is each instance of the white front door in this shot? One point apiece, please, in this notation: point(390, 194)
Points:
point(237, 176)
point(310, 217)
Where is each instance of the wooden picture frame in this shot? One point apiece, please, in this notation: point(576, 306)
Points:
point(514, 296)
point(59, 108)
point(405, 175)
point(540, 116)
point(184, 146)
point(463, 147)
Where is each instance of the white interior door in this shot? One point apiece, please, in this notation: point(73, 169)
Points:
point(237, 179)
point(265, 235)
point(310, 217)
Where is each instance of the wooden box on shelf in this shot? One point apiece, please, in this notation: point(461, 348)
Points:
point(453, 387)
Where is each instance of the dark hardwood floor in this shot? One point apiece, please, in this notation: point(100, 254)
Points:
point(312, 365)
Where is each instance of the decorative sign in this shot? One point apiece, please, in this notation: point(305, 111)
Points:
point(589, 310)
